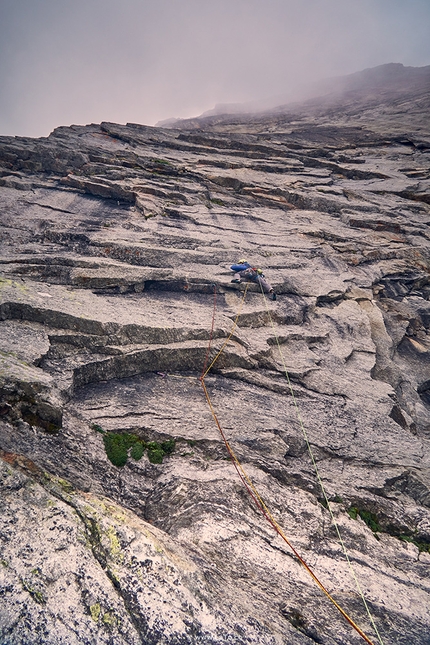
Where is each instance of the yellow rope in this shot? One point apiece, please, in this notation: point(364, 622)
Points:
point(229, 336)
point(318, 475)
point(252, 489)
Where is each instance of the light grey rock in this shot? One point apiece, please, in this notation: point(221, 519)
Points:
point(117, 243)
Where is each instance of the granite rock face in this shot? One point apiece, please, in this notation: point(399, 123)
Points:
point(116, 247)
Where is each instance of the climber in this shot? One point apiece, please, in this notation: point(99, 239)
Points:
point(244, 272)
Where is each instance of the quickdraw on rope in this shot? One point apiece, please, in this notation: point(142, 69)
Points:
point(250, 487)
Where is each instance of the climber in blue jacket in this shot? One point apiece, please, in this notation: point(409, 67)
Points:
point(244, 272)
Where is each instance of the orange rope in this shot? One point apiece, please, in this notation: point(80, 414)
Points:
point(252, 489)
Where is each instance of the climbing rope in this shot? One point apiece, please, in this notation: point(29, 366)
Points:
point(211, 334)
point(220, 351)
point(253, 492)
point(314, 463)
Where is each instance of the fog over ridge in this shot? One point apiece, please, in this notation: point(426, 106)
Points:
point(145, 62)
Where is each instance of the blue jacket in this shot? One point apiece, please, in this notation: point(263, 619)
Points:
point(240, 267)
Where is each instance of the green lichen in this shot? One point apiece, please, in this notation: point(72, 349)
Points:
point(95, 612)
point(115, 545)
point(119, 517)
point(88, 510)
point(101, 505)
point(36, 594)
point(5, 282)
point(65, 485)
point(109, 619)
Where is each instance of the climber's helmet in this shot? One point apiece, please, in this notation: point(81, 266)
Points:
point(260, 271)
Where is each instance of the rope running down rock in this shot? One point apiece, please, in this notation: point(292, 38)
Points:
point(253, 492)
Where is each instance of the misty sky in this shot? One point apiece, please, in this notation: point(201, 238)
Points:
point(87, 61)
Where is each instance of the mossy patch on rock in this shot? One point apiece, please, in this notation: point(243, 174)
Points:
point(97, 428)
point(137, 451)
point(372, 522)
point(423, 547)
point(155, 453)
point(120, 446)
point(369, 518)
point(117, 447)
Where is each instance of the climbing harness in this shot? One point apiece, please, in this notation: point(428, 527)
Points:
point(252, 490)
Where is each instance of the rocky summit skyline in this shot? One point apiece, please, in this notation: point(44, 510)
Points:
point(123, 518)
